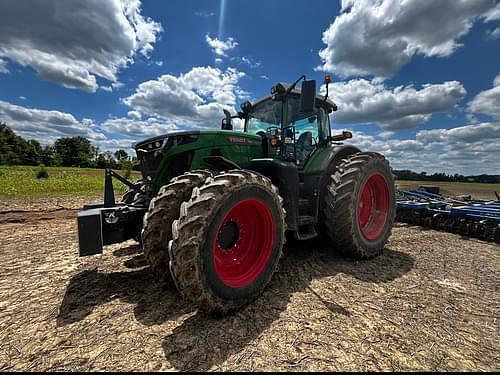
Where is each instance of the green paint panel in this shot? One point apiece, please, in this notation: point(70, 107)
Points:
point(318, 161)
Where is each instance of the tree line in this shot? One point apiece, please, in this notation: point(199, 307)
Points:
point(79, 152)
point(424, 176)
point(65, 152)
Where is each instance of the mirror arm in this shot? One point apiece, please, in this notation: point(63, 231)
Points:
point(303, 77)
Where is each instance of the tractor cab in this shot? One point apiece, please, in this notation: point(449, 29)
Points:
point(290, 132)
point(292, 122)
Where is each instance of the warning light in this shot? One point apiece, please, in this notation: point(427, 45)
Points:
point(327, 79)
point(274, 142)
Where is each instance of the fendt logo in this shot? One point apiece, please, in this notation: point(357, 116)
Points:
point(237, 140)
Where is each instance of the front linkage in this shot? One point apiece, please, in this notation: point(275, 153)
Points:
point(108, 223)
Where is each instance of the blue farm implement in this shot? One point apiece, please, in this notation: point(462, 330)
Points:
point(478, 219)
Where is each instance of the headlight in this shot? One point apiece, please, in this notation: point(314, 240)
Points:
point(155, 145)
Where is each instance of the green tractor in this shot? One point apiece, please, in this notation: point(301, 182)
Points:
point(213, 207)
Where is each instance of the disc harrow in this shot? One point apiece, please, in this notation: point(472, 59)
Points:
point(479, 219)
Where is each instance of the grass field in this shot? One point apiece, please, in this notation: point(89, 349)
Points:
point(21, 182)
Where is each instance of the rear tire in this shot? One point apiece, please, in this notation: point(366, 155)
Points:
point(227, 241)
point(163, 210)
point(359, 205)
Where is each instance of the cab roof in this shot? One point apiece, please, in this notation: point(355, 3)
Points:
point(320, 99)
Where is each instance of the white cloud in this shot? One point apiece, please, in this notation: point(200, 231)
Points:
point(363, 101)
point(493, 14)
point(204, 14)
point(494, 34)
point(135, 115)
point(46, 125)
point(195, 98)
point(487, 102)
point(117, 144)
point(221, 47)
point(250, 62)
point(470, 149)
point(3, 66)
point(73, 43)
point(113, 87)
point(137, 128)
point(464, 134)
point(386, 134)
point(378, 37)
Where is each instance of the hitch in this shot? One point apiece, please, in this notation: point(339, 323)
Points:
point(108, 223)
point(109, 194)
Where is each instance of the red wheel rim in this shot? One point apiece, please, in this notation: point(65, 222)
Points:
point(373, 209)
point(244, 243)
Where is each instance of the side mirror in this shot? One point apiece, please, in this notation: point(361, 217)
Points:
point(227, 122)
point(308, 96)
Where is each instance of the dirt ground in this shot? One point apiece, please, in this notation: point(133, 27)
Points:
point(430, 302)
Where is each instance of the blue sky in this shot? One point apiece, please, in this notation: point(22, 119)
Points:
point(417, 81)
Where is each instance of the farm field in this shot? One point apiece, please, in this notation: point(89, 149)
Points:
point(476, 190)
point(430, 302)
point(21, 182)
point(65, 187)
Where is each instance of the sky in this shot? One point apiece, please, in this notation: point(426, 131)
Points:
point(418, 81)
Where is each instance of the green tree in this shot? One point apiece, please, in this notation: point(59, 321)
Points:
point(74, 151)
point(16, 150)
point(121, 157)
point(106, 160)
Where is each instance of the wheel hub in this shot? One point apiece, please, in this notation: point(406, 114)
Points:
point(228, 235)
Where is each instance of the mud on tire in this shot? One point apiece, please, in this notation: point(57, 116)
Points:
point(235, 216)
point(163, 210)
point(359, 205)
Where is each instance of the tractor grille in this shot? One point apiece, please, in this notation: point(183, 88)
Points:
point(150, 152)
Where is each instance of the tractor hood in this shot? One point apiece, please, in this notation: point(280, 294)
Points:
point(150, 152)
point(174, 153)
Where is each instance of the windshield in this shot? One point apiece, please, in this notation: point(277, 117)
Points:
point(301, 132)
point(264, 115)
point(314, 126)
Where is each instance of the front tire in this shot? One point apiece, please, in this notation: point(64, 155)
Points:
point(359, 205)
point(227, 241)
point(163, 210)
